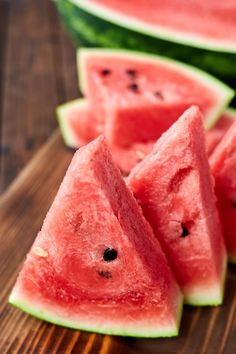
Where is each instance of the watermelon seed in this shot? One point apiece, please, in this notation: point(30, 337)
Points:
point(40, 252)
point(104, 273)
point(131, 72)
point(159, 95)
point(234, 203)
point(110, 254)
point(133, 87)
point(106, 72)
point(185, 231)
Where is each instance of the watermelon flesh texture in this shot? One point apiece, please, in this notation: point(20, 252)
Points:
point(207, 23)
point(174, 187)
point(136, 97)
point(216, 133)
point(75, 120)
point(96, 264)
point(223, 166)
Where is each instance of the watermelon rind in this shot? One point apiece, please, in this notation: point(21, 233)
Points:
point(94, 25)
point(211, 296)
point(135, 331)
point(69, 137)
point(138, 25)
point(224, 92)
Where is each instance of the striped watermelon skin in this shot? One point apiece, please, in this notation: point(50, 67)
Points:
point(87, 29)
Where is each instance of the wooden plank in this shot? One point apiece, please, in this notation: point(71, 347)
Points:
point(33, 81)
point(22, 209)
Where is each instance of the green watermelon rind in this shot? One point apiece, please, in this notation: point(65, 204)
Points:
point(25, 306)
point(156, 31)
point(67, 133)
point(222, 89)
point(208, 298)
point(88, 29)
point(232, 112)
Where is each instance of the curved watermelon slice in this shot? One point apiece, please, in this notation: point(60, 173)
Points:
point(136, 97)
point(198, 24)
point(75, 120)
point(174, 187)
point(216, 133)
point(196, 32)
point(95, 264)
point(223, 166)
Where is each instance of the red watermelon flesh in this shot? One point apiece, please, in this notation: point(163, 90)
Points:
point(203, 21)
point(223, 165)
point(136, 97)
point(95, 264)
point(216, 133)
point(174, 187)
point(75, 121)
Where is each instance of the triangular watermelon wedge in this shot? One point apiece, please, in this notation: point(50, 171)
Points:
point(174, 187)
point(136, 97)
point(223, 166)
point(95, 264)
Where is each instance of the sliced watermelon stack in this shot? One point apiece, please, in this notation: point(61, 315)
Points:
point(119, 257)
point(133, 98)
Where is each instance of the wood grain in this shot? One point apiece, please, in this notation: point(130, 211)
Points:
point(37, 72)
point(22, 209)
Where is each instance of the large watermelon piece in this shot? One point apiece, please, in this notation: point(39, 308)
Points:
point(174, 187)
point(95, 264)
point(223, 165)
point(136, 97)
point(203, 33)
point(216, 133)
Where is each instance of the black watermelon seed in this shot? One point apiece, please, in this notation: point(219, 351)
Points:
point(133, 87)
point(234, 203)
point(185, 231)
point(131, 72)
point(104, 273)
point(159, 95)
point(110, 254)
point(106, 72)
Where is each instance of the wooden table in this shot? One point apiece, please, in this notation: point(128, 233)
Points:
point(37, 72)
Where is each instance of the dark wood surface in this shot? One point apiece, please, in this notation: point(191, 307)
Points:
point(37, 71)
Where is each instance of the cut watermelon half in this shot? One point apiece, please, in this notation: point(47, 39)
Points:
point(194, 23)
point(216, 133)
point(223, 165)
point(95, 264)
point(136, 97)
point(75, 120)
point(174, 187)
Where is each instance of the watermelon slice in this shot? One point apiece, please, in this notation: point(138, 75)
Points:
point(75, 119)
point(136, 97)
point(174, 187)
point(199, 32)
point(216, 133)
point(95, 264)
point(223, 165)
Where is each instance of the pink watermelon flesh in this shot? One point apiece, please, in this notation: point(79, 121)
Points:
point(174, 187)
point(223, 165)
point(96, 264)
point(214, 135)
point(136, 99)
point(78, 118)
point(191, 19)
